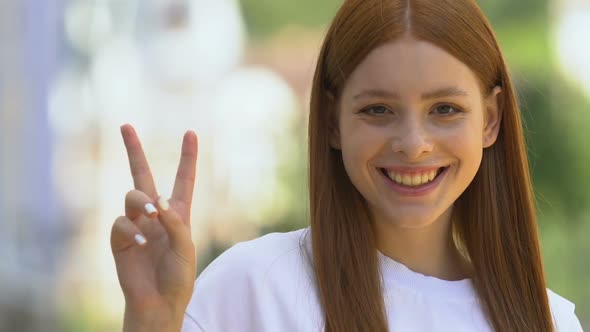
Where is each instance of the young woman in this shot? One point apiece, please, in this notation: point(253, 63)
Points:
point(421, 204)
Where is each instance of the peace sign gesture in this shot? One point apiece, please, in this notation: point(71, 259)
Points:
point(151, 244)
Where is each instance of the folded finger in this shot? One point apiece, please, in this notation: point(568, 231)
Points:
point(125, 234)
point(178, 232)
point(138, 203)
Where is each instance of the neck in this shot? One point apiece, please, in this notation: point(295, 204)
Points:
point(428, 250)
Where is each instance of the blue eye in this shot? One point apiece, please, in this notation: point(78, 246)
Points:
point(446, 110)
point(375, 110)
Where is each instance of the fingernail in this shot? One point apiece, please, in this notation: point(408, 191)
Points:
point(163, 203)
point(140, 239)
point(150, 208)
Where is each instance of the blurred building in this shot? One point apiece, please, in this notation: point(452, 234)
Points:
point(33, 226)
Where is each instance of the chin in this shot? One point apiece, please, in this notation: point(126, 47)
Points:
point(411, 220)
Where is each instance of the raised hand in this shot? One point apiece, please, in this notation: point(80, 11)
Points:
point(151, 244)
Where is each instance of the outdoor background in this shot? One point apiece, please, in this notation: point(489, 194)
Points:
point(238, 73)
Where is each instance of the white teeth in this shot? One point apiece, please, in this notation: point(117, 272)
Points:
point(414, 180)
point(406, 180)
point(424, 177)
point(431, 175)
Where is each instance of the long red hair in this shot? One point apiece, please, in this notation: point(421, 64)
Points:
point(494, 220)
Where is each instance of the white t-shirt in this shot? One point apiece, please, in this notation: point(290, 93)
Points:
point(267, 285)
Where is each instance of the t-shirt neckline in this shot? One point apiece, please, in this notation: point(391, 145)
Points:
point(397, 274)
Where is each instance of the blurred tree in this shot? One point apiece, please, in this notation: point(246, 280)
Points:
point(557, 120)
point(265, 17)
point(553, 110)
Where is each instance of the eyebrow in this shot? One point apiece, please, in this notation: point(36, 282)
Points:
point(439, 93)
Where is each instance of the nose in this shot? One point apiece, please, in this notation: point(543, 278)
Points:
point(411, 138)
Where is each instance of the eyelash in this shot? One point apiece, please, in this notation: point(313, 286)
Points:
point(366, 110)
point(458, 110)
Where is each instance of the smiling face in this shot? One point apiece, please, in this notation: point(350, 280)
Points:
point(412, 125)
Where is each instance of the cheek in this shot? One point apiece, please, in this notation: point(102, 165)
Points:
point(355, 151)
point(466, 134)
point(360, 140)
point(465, 143)
point(359, 145)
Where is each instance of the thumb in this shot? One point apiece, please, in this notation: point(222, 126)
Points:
point(178, 232)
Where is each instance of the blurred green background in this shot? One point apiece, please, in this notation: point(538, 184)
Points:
point(60, 276)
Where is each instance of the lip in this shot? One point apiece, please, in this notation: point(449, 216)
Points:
point(422, 190)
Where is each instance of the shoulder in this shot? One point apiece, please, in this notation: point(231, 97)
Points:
point(258, 255)
point(248, 277)
point(563, 312)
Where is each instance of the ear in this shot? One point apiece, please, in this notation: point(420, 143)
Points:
point(334, 125)
point(492, 117)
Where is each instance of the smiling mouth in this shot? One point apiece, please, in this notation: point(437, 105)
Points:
point(413, 179)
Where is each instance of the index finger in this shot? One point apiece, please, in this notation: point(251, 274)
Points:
point(187, 169)
point(140, 170)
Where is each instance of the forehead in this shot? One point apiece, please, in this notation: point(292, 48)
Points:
point(411, 67)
